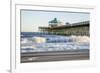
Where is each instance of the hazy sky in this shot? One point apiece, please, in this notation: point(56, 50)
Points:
point(31, 20)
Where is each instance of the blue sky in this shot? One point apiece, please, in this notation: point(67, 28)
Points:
point(31, 20)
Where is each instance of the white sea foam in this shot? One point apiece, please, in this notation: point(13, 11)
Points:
point(79, 42)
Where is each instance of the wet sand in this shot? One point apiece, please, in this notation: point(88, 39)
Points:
point(82, 54)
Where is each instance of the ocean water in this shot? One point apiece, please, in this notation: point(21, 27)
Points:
point(43, 42)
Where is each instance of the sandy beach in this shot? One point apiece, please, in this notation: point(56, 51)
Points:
point(82, 54)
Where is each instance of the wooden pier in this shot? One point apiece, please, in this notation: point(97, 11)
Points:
point(80, 28)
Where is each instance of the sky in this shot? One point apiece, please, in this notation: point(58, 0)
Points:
point(31, 20)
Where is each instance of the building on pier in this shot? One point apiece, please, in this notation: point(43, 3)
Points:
point(55, 27)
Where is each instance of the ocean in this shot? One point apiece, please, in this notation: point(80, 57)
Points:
point(44, 42)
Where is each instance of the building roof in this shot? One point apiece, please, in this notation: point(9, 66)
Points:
point(53, 21)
